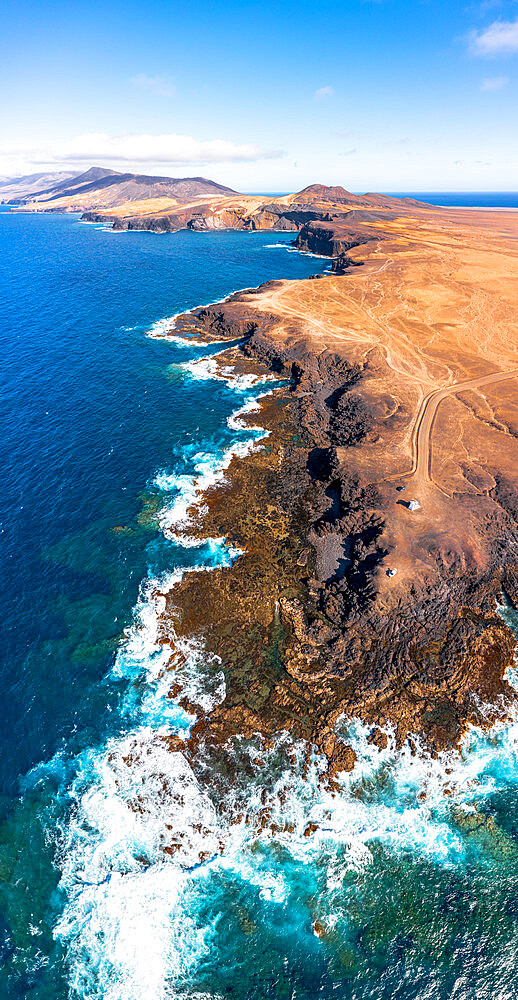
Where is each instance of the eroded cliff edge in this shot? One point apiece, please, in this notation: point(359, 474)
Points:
point(308, 623)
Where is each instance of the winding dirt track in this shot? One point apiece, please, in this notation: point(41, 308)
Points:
point(423, 425)
point(421, 435)
point(432, 307)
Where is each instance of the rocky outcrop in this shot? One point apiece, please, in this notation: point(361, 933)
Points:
point(203, 218)
point(335, 237)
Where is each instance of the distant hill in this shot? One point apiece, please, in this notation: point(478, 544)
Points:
point(323, 192)
point(16, 189)
point(100, 187)
point(166, 204)
point(318, 193)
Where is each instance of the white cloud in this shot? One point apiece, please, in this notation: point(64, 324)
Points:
point(494, 83)
point(323, 92)
point(171, 149)
point(163, 86)
point(501, 38)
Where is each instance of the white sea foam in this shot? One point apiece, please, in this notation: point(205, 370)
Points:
point(133, 921)
point(360, 812)
point(140, 823)
point(131, 938)
point(165, 329)
point(210, 368)
point(293, 249)
point(144, 834)
point(150, 665)
point(309, 253)
point(166, 326)
point(209, 469)
point(235, 421)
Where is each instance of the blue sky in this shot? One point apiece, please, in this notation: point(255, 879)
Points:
point(371, 94)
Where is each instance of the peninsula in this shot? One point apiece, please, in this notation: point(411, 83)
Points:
point(380, 523)
point(166, 204)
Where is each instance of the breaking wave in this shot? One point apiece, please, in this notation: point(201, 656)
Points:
point(155, 850)
point(139, 822)
point(166, 326)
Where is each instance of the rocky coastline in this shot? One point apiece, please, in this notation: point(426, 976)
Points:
point(248, 213)
point(304, 631)
point(199, 219)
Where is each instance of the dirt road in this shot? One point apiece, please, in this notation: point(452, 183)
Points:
point(423, 425)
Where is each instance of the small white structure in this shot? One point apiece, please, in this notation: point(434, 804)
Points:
point(414, 505)
point(391, 572)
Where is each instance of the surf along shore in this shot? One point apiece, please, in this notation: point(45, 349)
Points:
point(400, 384)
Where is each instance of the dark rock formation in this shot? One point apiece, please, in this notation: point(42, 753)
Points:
point(333, 238)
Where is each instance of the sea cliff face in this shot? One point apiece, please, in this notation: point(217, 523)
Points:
point(334, 238)
point(204, 218)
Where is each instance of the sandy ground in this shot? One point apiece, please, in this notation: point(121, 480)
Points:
point(83, 202)
point(433, 314)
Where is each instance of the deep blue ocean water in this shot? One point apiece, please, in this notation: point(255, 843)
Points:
point(89, 412)
point(464, 199)
point(402, 891)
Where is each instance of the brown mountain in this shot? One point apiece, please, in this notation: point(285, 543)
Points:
point(17, 189)
point(316, 193)
point(240, 211)
point(102, 188)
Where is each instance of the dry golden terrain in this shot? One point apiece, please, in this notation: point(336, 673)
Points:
point(349, 600)
point(433, 314)
point(220, 210)
point(84, 201)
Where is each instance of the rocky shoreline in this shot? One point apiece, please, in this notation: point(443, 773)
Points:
point(291, 213)
point(199, 220)
point(299, 624)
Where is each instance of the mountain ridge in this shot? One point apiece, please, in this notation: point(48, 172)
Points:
point(102, 187)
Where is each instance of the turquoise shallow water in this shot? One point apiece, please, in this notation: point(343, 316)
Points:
point(400, 891)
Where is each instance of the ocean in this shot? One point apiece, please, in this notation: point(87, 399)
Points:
point(464, 199)
point(459, 199)
point(405, 887)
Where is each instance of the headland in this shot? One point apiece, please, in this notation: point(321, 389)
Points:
point(379, 523)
